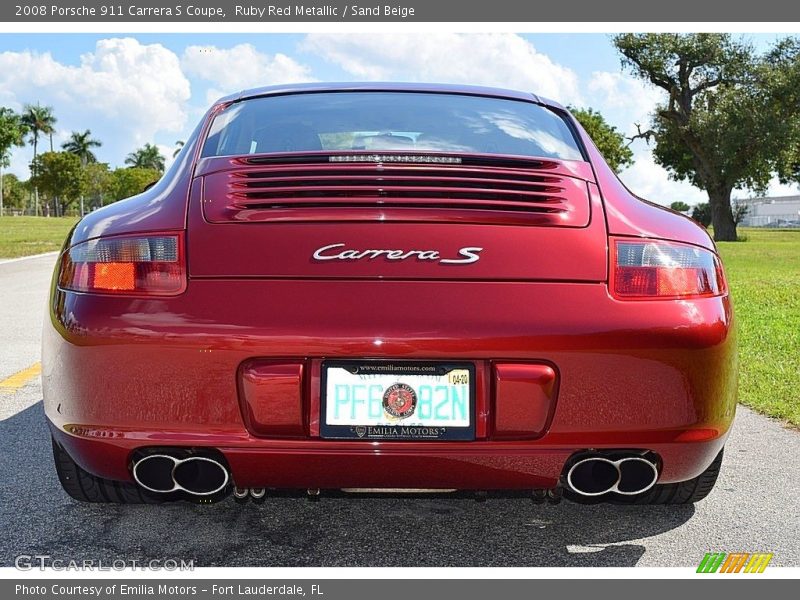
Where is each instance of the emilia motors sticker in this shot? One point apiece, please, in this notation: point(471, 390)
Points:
point(734, 562)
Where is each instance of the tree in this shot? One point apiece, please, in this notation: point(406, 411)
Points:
point(125, 183)
point(606, 137)
point(724, 123)
point(740, 211)
point(81, 144)
point(98, 183)
point(702, 214)
point(679, 206)
point(785, 67)
point(12, 133)
point(178, 147)
point(14, 192)
point(38, 120)
point(146, 157)
point(60, 178)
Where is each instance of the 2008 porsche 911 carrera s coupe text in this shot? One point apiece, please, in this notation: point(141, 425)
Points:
point(388, 287)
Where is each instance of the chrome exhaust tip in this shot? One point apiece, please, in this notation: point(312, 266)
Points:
point(258, 493)
point(636, 475)
point(241, 495)
point(597, 476)
point(196, 475)
point(593, 476)
point(154, 473)
point(200, 476)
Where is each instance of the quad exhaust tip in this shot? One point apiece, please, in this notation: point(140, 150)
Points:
point(195, 475)
point(203, 476)
point(598, 475)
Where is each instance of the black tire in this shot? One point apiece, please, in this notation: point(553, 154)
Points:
point(684, 492)
point(85, 487)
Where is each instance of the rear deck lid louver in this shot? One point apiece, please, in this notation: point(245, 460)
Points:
point(394, 187)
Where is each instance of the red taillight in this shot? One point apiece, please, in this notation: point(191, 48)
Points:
point(135, 265)
point(644, 269)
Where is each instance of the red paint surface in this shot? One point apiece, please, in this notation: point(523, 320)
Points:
point(524, 400)
point(271, 395)
point(219, 365)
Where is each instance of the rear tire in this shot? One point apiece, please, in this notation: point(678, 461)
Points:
point(85, 487)
point(683, 492)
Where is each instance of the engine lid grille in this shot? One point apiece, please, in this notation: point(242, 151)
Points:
point(406, 188)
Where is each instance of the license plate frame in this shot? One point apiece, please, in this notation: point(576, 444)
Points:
point(397, 432)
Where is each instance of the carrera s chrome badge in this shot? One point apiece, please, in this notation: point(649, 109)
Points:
point(466, 255)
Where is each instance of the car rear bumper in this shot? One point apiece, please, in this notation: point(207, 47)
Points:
point(123, 373)
point(430, 465)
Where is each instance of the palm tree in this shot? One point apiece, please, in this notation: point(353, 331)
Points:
point(38, 120)
point(12, 133)
point(146, 157)
point(81, 144)
point(178, 147)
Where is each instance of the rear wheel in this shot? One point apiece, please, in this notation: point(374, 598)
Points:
point(683, 492)
point(85, 487)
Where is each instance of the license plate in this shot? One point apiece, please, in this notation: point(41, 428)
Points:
point(400, 400)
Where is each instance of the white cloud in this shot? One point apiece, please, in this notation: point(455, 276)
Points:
point(213, 94)
point(776, 188)
point(651, 181)
point(126, 92)
point(241, 67)
point(496, 59)
point(166, 151)
point(629, 99)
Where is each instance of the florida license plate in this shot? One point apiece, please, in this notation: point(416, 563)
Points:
point(400, 400)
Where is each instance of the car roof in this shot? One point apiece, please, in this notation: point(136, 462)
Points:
point(472, 90)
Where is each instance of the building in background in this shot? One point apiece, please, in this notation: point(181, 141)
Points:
point(782, 211)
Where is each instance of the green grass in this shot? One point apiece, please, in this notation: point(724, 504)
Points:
point(23, 236)
point(763, 274)
point(764, 277)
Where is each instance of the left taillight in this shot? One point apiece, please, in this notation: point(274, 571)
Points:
point(133, 265)
point(655, 269)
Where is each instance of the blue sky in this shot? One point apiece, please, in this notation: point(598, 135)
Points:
point(132, 89)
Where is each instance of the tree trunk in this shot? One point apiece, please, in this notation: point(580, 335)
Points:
point(84, 162)
point(722, 215)
point(1, 189)
point(35, 188)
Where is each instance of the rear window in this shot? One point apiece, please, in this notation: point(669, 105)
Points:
point(390, 121)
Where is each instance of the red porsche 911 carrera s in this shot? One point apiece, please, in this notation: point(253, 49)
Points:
point(388, 287)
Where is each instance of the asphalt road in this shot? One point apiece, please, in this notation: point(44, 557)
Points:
point(754, 507)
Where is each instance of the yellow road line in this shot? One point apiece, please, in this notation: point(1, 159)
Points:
point(17, 380)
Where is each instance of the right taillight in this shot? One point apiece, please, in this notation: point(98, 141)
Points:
point(647, 269)
point(149, 265)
